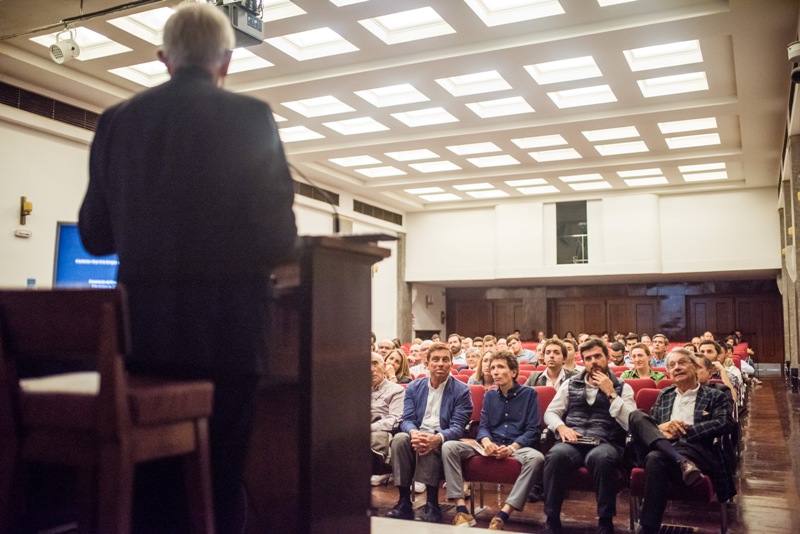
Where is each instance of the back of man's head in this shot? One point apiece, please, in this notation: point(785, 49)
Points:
point(197, 35)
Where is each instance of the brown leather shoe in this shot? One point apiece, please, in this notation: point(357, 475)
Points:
point(690, 473)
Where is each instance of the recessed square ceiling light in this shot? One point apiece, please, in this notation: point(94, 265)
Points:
point(581, 177)
point(405, 26)
point(381, 172)
point(355, 126)
point(434, 166)
point(473, 84)
point(502, 107)
point(147, 74)
point(526, 182)
point(442, 197)
point(615, 149)
point(666, 55)
point(474, 148)
point(540, 190)
point(493, 161)
point(410, 155)
point(540, 141)
point(279, 118)
point(643, 182)
point(701, 167)
point(590, 186)
point(706, 176)
point(298, 133)
point(425, 117)
point(605, 3)
point(673, 85)
point(312, 44)
point(392, 95)
point(564, 70)
point(639, 172)
point(147, 25)
point(492, 193)
point(340, 3)
point(93, 45)
point(498, 12)
point(280, 9)
point(355, 161)
point(611, 133)
point(424, 190)
point(473, 187)
point(555, 155)
point(690, 125)
point(243, 60)
point(688, 141)
point(318, 107)
point(584, 96)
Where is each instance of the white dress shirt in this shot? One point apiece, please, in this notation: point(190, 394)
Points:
point(431, 421)
point(620, 408)
point(683, 407)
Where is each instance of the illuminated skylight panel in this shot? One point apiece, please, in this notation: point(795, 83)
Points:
point(473, 84)
point(424, 117)
point(340, 3)
point(424, 190)
point(280, 9)
point(412, 155)
point(706, 176)
point(561, 154)
point(473, 187)
point(293, 134)
point(92, 45)
point(392, 95)
point(616, 149)
point(492, 193)
point(640, 172)
point(584, 96)
point(147, 25)
point(540, 141)
point(441, 197)
point(609, 134)
point(498, 12)
point(665, 55)
point(147, 74)
point(243, 60)
point(564, 70)
point(538, 190)
point(312, 44)
point(689, 141)
point(474, 148)
point(381, 172)
point(493, 161)
point(355, 126)
point(591, 186)
point(318, 107)
point(526, 182)
point(435, 166)
point(691, 125)
point(412, 25)
point(606, 3)
point(278, 118)
point(701, 167)
point(355, 161)
point(673, 85)
point(644, 182)
point(501, 107)
point(581, 178)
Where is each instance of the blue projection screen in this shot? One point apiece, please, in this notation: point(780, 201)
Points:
point(74, 267)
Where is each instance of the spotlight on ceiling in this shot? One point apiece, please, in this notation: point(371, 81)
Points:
point(66, 49)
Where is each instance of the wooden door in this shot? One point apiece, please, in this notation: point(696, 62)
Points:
point(715, 314)
point(508, 316)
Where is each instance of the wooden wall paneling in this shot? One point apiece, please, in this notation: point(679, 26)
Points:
point(697, 320)
point(506, 314)
point(565, 317)
point(472, 317)
point(645, 313)
point(594, 316)
point(761, 322)
point(619, 316)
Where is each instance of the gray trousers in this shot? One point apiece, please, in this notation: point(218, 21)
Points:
point(407, 466)
point(454, 452)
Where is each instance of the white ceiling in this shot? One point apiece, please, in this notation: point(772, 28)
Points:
point(744, 59)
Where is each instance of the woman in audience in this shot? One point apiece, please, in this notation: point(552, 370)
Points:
point(473, 357)
point(483, 376)
point(640, 354)
point(397, 367)
point(569, 335)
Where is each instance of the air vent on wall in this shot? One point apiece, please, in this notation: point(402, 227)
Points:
point(47, 107)
point(378, 213)
point(317, 193)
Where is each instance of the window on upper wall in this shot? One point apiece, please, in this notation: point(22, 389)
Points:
point(572, 237)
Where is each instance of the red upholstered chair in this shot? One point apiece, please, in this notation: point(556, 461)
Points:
point(468, 372)
point(406, 348)
point(102, 422)
point(618, 369)
point(463, 378)
point(737, 361)
point(646, 398)
point(662, 370)
point(477, 393)
point(664, 383)
point(527, 367)
point(640, 383)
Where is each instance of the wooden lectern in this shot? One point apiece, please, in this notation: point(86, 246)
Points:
point(309, 462)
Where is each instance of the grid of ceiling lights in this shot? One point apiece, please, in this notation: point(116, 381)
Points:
point(423, 23)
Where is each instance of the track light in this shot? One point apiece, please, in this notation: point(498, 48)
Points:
point(66, 49)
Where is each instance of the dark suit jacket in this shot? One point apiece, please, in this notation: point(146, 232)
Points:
point(712, 421)
point(454, 414)
point(190, 186)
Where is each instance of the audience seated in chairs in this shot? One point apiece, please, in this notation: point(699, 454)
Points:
point(555, 374)
point(386, 408)
point(640, 355)
point(483, 375)
point(473, 358)
point(422, 367)
point(397, 367)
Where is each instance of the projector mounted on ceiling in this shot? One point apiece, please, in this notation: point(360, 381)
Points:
point(245, 17)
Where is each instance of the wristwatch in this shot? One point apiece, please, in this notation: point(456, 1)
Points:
point(613, 396)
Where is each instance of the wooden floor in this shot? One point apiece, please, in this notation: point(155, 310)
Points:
point(768, 482)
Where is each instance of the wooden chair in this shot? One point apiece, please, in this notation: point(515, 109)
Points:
point(103, 429)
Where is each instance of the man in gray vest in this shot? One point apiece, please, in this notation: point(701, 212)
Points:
point(589, 416)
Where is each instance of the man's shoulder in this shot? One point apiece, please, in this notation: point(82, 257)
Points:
point(394, 388)
point(457, 385)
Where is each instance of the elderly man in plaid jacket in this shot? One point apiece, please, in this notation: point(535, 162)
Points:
point(676, 442)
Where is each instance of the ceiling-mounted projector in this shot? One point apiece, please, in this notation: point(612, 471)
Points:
point(66, 49)
point(245, 19)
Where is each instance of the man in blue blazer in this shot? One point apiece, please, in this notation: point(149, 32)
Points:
point(436, 409)
point(189, 184)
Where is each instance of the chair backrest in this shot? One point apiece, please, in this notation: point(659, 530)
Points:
point(646, 398)
point(737, 361)
point(463, 378)
point(618, 368)
point(468, 372)
point(477, 392)
point(640, 383)
point(665, 383)
point(545, 395)
point(661, 370)
point(527, 367)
